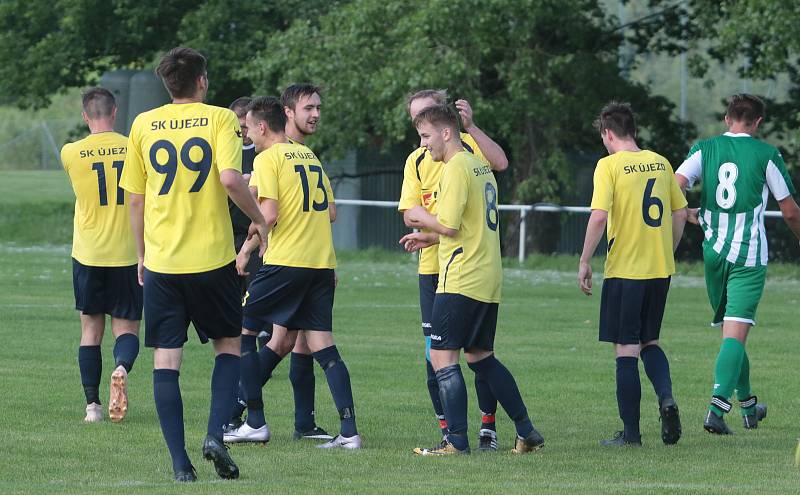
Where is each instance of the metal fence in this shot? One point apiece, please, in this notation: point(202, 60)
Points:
point(522, 212)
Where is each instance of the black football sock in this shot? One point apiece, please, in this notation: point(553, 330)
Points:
point(486, 402)
point(90, 363)
point(433, 390)
point(656, 366)
point(301, 374)
point(250, 380)
point(339, 383)
point(504, 387)
point(453, 392)
point(126, 349)
point(224, 381)
point(629, 396)
point(169, 406)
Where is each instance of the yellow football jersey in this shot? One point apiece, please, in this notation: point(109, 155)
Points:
point(292, 175)
point(101, 233)
point(420, 185)
point(639, 192)
point(469, 262)
point(175, 155)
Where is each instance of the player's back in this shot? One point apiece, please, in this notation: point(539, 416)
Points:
point(292, 175)
point(176, 154)
point(737, 174)
point(469, 262)
point(639, 192)
point(102, 233)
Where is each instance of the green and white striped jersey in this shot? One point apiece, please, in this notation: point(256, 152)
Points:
point(737, 172)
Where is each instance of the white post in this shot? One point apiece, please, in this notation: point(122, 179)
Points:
point(523, 213)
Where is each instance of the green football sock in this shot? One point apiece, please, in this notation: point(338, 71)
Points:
point(726, 372)
point(743, 390)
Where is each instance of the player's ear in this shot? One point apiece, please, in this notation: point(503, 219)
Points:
point(85, 117)
point(758, 122)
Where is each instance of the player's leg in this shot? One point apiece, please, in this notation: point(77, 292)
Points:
point(427, 293)
point(448, 333)
point(166, 322)
point(126, 350)
point(656, 364)
point(90, 363)
point(301, 376)
point(215, 310)
point(621, 303)
point(735, 292)
point(124, 304)
point(89, 289)
point(327, 355)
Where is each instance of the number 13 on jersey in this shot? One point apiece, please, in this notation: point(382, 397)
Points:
point(307, 204)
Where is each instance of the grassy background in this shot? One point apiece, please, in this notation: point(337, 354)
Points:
point(547, 336)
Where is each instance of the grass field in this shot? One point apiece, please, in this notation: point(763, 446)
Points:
point(547, 337)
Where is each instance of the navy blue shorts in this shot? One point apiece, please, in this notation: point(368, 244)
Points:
point(460, 322)
point(209, 300)
point(631, 310)
point(110, 290)
point(295, 298)
point(427, 292)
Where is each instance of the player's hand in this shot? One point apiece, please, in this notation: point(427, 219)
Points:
point(241, 263)
point(140, 271)
point(416, 241)
point(694, 215)
point(585, 277)
point(262, 231)
point(465, 111)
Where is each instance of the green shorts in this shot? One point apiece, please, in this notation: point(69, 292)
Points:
point(734, 291)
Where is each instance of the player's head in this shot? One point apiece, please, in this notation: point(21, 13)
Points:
point(437, 126)
point(266, 121)
point(746, 111)
point(99, 104)
point(184, 73)
point(416, 102)
point(302, 104)
point(239, 107)
point(616, 125)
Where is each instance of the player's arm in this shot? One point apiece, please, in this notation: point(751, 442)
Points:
point(419, 240)
point(594, 232)
point(791, 214)
point(239, 193)
point(493, 152)
point(690, 171)
point(420, 217)
point(411, 190)
point(678, 223)
point(332, 211)
point(137, 226)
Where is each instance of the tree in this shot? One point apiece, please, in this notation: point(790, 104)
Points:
point(537, 73)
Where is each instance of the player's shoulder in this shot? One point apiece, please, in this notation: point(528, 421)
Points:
point(469, 143)
point(416, 157)
point(655, 157)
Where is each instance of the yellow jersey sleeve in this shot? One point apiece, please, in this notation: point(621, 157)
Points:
point(453, 193)
point(266, 177)
point(411, 192)
point(603, 195)
point(101, 234)
point(228, 144)
point(134, 175)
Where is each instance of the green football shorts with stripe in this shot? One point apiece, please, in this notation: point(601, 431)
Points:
point(734, 291)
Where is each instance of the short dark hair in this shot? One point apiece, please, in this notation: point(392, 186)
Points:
point(179, 70)
point(746, 108)
point(292, 94)
point(98, 103)
point(439, 116)
point(239, 105)
point(270, 110)
point(618, 118)
point(438, 95)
